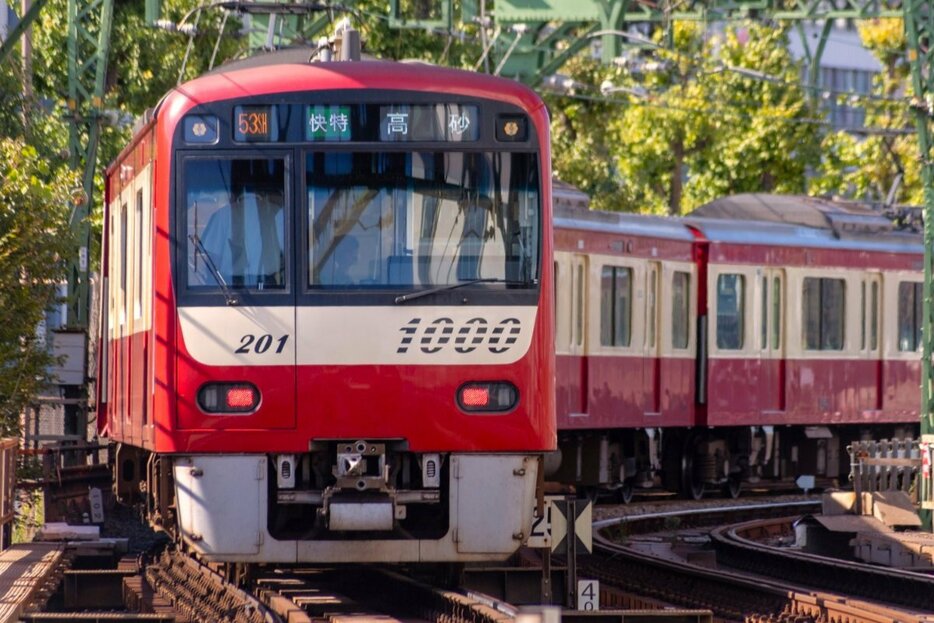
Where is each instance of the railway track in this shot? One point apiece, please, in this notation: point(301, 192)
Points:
point(732, 594)
point(737, 547)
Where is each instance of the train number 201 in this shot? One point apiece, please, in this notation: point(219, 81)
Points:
point(259, 345)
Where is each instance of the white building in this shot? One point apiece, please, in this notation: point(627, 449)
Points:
point(846, 67)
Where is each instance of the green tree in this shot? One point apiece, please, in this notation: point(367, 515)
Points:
point(704, 117)
point(35, 240)
point(867, 167)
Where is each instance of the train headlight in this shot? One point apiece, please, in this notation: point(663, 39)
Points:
point(228, 397)
point(487, 397)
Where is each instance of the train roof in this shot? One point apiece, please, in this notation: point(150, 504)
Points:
point(752, 218)
point(571, 211)
point(797, 220)
point(290, 70)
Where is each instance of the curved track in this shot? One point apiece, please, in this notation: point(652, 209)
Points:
point(736, 549)
point(734, 594)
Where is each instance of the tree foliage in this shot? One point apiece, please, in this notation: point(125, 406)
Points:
point(709, 116)
point(35, 241)
point(868, 167)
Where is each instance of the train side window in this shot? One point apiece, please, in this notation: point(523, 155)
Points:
point(862, 315)
point(123, 264)
point(138, 265)
point(776, 313)
point(874, 316)
point(615, 306)
point(731, 311)
point(680, 302)
point(556, 299)
point(764, 329)
point(824, 305)
point(579, 307)
point(910, 315)
point(653, 289)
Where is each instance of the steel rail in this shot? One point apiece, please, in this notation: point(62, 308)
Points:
point(733, 595)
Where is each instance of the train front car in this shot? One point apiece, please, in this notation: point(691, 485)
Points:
point(352, 313)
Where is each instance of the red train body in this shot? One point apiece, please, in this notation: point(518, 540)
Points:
point(749, 342)
point(328, 322)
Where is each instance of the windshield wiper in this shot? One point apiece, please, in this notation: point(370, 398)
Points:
point(405, 298)
point(229, 296)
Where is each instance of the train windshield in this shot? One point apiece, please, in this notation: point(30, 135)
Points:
point(421, 219)
point(236, 223)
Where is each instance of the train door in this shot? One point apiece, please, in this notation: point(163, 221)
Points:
point(870, 338)
point(578, 268)
point(651, 344)
point(770, 339)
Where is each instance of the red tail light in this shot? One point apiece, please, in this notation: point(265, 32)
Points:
point(475, 396)
point(488, 397)
point(241, 397)
point(228, 397)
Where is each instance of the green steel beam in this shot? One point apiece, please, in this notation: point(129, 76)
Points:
point(13, 36)
point(561, 57)
point(919, 28)
point(89, 26)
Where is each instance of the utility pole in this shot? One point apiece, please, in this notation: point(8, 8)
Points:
point(919, 28)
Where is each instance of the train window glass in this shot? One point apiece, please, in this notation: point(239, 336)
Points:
point(140, 237)
point(653, 289)
point(910, 299)
point(730, 311)
point(421, 219)
point(235, 219)
point(823, 303)
point(776, 313)
point(680, 302)
point(862, 315)
point(764, 329)
point(874, 316)
point(556, 299)
point(123, 260)
point(615, 306)
point(579, 306)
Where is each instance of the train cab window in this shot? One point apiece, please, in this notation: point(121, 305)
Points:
point(421, 219)
point(776, 313)
point(615, 306)
point(731, 306)
point(235, 219)
point(680, 309)
point(823, 305)
point(910, 315)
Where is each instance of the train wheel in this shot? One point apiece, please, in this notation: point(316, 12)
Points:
point(734, 486)
point(625, 492)
point(692, 481)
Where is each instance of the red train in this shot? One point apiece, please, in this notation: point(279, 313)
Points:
point(749, 342)
point(328, 322)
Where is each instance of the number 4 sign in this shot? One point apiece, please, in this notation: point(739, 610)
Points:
point(588, 595)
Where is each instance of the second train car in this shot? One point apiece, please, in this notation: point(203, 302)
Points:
point(748, 343)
